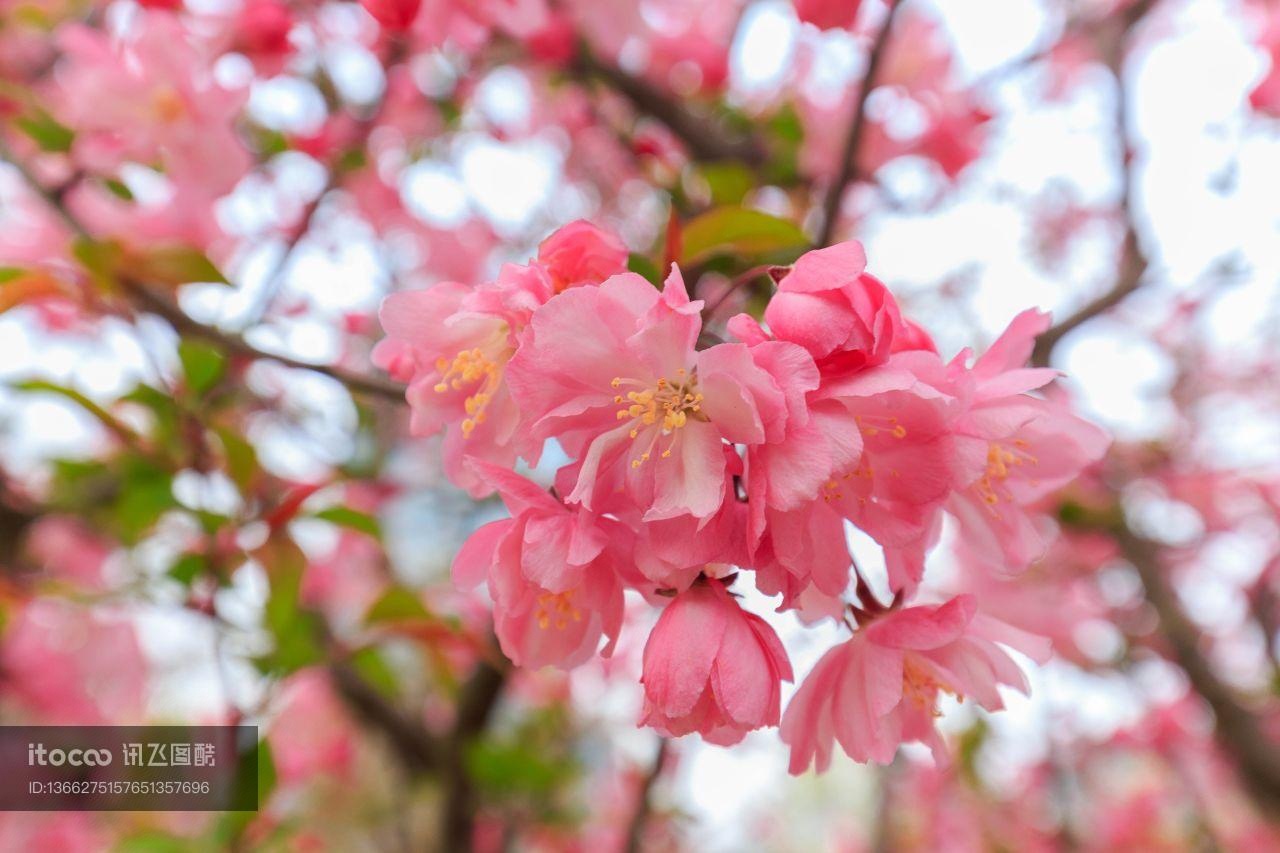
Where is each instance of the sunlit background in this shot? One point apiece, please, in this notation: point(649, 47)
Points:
point(962, 260)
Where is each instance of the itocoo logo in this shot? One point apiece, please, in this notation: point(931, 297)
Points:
point(38, 754)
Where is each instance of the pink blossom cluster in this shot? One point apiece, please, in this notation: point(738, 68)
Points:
point(693, 460)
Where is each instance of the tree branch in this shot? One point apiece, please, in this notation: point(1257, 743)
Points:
point(162, 305)
point(1133, 260)
point(644, 799)
point(413, 744)
point(476, 702)
point(704, 136)
point(1239, 731)
point(857, 129)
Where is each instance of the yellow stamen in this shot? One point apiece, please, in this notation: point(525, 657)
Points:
point(667, 405)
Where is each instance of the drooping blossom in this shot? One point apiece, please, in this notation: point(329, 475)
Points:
point(882, 687)
point(581, 253)
point(711, 667)
point(552, 571)
point(843, 316)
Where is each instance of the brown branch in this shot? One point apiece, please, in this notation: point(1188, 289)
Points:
point(1238, 730)
point(476, 702)
point(1133, 262)
point(857, 129)
point(275, 279)
point(644, 799)
point(414, 745)
point(705, 137)
point(162, 305)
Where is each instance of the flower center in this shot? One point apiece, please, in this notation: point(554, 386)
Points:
point(470, 368)
point(557, 608)
point(921, 687)
point(667, 404)
point(875, 424)
point(167, 104)
point(1001, 461)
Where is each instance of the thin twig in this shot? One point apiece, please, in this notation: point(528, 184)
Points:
point(275, 279)
point(414, 745)
point(1133, 262)
point(644, 799)
point(164, 306)
point(706, 138)
point(857, 129)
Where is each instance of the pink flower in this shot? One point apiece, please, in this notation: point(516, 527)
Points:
point(581, 253)
point(150, 96)
point(67, 665)
point(956, 132)
point(905, 414)
point(711, 667)
point(613, 374)
point(454, 341)
point(344, 583)
point(881, 688)
point(1022, 447)
point(395, 15)
point(311, 733)
point(1265, 96)
point(67, 548)
point(828, 304)
point(262, 33)
point(552, 572)
point(828, 14)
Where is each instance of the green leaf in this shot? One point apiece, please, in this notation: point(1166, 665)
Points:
point(397, 605)
point(203, 364)
point(102, 258)
point(152, 841)
point(118, 189)
point(46, 131)
point(107, 419)
point(739, 230)
point(294, 629)
point(187, 568)
point(516, 768)
point(175, 265)
point(146, 493)
point(374, 669)
point(163, 407)
point(729, 182)
point(241, 457)
point(352, 519)
point(266, 771)
point(642, 265)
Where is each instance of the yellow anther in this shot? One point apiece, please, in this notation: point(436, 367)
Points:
point(666, 404)
point(471, 368)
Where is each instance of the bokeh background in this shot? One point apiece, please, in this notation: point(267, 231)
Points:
point(1114, 161)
